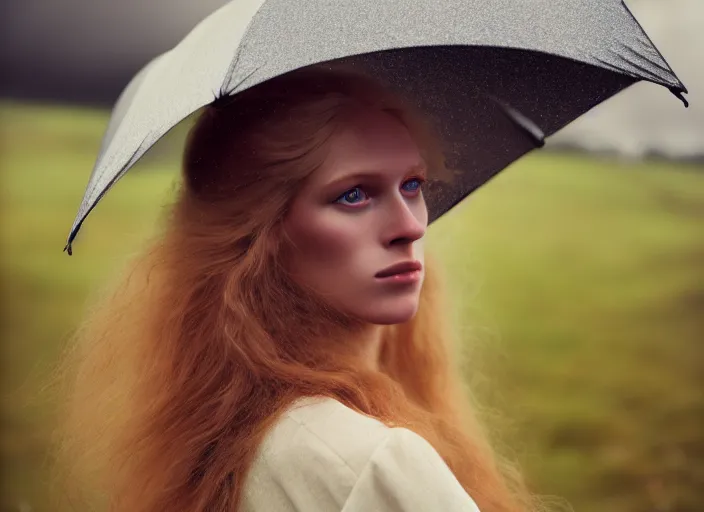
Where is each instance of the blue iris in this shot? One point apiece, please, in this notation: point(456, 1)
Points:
point(352, 196)
point(414, 185)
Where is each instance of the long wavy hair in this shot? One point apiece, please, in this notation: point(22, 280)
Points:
point(178, 372)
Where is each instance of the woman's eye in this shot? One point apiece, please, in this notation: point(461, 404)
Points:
point(353, 196)
point(413, 185)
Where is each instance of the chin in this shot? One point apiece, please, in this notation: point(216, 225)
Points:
point(392, 312)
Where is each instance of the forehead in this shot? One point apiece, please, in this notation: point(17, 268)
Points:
point(370, 141)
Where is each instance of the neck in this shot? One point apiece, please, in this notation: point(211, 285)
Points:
point(334, 337)
point(369, 343)
point(358, 344)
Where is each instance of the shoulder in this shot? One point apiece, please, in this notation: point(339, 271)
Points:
point(312, 457)
point(322, 455)
point(320, 434)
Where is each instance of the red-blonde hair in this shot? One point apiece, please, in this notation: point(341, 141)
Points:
point(177, 374)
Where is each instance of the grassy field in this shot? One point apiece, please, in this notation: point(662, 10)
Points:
point(578, 284)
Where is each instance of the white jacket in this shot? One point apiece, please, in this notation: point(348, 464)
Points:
point(322, 456)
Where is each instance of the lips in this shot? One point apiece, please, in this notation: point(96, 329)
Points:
point(399, 268)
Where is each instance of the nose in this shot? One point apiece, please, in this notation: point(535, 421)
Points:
point(405, 223)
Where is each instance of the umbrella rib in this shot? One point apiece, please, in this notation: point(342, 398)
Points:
point(646, 73)
point(232, 89)
point(677, 90)
point(233, 63)
point(74, 231)
point(645, 56)
point(610, 67)
point(679, 84)
point(526, 124)
point(230, 71)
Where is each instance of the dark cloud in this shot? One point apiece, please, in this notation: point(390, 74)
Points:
point(86, 50)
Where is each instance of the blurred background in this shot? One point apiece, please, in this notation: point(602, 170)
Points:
point(577, 273)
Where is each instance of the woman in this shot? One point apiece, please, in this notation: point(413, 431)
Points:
point(281, 346)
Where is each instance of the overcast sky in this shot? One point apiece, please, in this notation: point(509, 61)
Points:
point(78, 50)
point(645, 116)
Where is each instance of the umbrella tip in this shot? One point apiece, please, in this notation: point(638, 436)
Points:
point(72, 236)
point(680, 95)
point(69, 243)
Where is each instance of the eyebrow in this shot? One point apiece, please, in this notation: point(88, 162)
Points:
point(420, 169)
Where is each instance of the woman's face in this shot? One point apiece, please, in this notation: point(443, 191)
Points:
point(358, 216)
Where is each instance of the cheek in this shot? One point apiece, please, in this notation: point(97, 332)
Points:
point(421, 213)
point(325, 239)
point(419, 251)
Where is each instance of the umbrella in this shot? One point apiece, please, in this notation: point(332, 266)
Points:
point(497, 76)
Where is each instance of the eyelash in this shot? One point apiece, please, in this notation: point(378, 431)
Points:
point(420, 179)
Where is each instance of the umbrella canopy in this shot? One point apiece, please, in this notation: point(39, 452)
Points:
point(497, 76)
